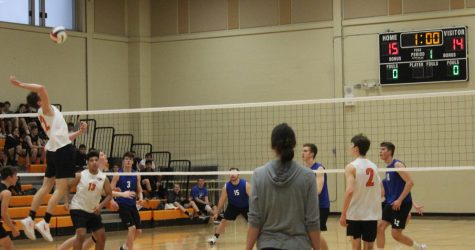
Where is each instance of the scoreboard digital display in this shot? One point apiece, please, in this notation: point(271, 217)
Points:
point(438, 55)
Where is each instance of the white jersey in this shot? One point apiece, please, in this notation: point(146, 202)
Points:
point(366, 201)
point(89, 191)
point(56, 128)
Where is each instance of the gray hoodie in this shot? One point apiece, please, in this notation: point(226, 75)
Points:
point(284, 205)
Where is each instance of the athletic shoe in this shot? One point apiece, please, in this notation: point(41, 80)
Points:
point(203, 217)
point(29, 228)
point(43, 228)
point(212, 240)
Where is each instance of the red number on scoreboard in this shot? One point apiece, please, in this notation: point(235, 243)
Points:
point(458, 43)
point(392, 48)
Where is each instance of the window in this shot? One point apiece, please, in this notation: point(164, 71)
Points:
point(60, 13)
point(47, 13)
point(15, 11)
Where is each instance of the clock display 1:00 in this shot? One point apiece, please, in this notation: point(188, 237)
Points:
point(421, 39)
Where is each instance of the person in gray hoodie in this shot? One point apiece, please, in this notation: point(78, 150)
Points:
point(283, 206)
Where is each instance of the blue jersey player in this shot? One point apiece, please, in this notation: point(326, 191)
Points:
point(237, 191)
point(398, 203)
point(128, 205)
point(309, 152)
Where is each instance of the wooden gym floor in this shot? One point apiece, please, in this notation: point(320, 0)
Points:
point(438, 233)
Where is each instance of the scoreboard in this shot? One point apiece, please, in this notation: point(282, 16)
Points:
point(438, 55)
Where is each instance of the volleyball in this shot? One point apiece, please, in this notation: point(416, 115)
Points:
point(58, 35)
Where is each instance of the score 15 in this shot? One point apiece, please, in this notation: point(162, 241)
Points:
point(393, 48)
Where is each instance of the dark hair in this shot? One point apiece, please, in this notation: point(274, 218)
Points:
point(148, 162)
point(312, 148)
point(7, 102)
point(283, 141)
point(362, 142)
point(93, 153)
point(7, 172)
point(128, 154)
point(390, 146)
point(82, 146)
point(34, 127)
point(32, 99)
point(148, 154)
point(233, 168)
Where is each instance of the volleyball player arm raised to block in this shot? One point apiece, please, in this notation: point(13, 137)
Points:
point(222, 199)
point(82, 129)
point(40, 90)
point(350, 187)
point(407, 187)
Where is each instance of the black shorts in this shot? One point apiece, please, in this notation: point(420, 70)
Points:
point(3, 233)
point(366, 230)
point(130, 216)
point(324, 212)
point(82, 219)
point(61, 163)
point(202, 206)
point(397, 218)
point(232, 212)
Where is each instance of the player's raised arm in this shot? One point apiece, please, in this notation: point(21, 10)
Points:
point(38, 89)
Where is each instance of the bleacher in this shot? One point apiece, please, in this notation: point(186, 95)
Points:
point(114, 145)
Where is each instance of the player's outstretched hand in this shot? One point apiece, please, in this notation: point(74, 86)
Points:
point(14, 81)
point(83, 127)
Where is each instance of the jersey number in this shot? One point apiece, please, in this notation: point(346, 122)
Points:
point(92, 186)
point(370, 172)
point(128, 184)
point(236, 192)
point(43, 121)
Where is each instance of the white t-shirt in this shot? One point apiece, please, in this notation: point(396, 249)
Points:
point(88, 191)
point(56, 128)
point(142, 162)
point(365, 204)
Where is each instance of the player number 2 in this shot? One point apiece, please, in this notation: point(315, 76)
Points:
point(236, 192)
point(92, 186)
point(370, 172)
